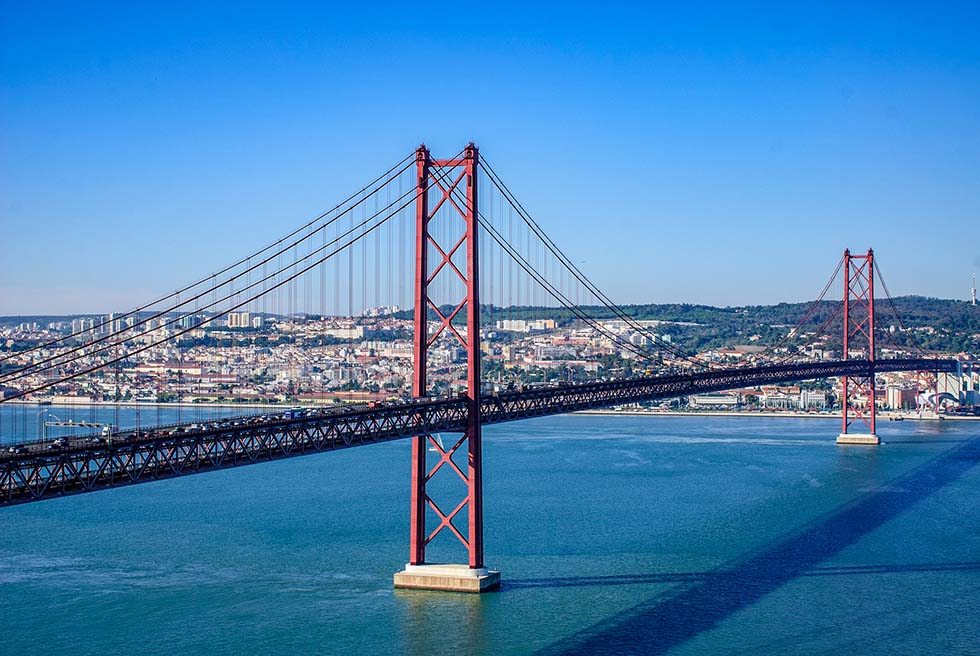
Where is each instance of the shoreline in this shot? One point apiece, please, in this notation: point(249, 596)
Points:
point(882, 416)
point(152, 404)
point(183, 404)
point(889, 417)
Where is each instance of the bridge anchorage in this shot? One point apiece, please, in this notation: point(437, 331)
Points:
point(446, 481)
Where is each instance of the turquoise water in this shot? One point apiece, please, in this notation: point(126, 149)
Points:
point(615, 535)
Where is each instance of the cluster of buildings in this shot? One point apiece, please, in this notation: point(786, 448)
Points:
point(244, 357)
point(898, 391)
point(768, 397)
point(895, 391)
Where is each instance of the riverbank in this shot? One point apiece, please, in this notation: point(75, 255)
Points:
point(779, 414)
point(153, 404)
point(883, 416)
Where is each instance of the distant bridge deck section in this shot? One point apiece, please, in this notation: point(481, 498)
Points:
point(37, 471)
point(571, 398)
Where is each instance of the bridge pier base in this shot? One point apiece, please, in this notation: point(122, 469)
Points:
point(867, 439)
point(448, 578)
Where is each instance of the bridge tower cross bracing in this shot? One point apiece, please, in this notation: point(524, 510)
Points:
point(445, 178)
point(858, 392)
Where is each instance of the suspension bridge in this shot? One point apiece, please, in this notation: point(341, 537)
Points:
point(483, 275)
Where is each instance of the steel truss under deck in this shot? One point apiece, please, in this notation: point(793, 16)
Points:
point(40, 474)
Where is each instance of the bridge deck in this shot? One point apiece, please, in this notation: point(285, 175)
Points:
point(39, 471)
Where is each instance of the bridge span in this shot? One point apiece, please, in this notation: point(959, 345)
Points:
point(41, 471)
point(455, 228)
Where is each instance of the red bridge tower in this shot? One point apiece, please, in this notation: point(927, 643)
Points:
point(447, 182)
point(858, 392)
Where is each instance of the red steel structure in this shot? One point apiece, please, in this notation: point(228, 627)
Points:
point(859, 332)
point(439, 179)
point(140, 456)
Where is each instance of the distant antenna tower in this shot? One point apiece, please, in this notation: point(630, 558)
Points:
point(974, 290)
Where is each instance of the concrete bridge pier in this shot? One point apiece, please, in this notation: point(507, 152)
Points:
point(867, 439)
point(449, 578)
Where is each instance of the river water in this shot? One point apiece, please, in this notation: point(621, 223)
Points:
point(614, 535)
point(24, 422)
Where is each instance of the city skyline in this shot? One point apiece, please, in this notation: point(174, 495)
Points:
point(144, 149)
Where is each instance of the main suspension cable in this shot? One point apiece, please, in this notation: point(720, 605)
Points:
point(230, 267)
point(891, 303)
point(806, 317)
point(558, 295)
point(576, 272)
point(79, 351)
point(235, 307)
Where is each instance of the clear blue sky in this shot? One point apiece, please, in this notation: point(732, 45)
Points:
point(715, 154)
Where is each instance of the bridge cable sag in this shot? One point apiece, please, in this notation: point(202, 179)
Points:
point(560, 296)
point(793, 332)
point(891, 303)
point(611, 305)
point(581, 277)
point(820, 329)
point(35, 367)
point(414, 193)
point(570, 266)
point(557, 294)
point(606, 301)
point(386, 174)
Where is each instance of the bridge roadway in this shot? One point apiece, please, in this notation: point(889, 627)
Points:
point(36, 471)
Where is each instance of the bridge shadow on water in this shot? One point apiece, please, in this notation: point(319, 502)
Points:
point(699, 577)
point(931, 440)
point(670, 619)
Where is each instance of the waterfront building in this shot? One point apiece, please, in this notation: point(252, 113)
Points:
point(812, 399)
point(899, 398)
point(714, 401)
